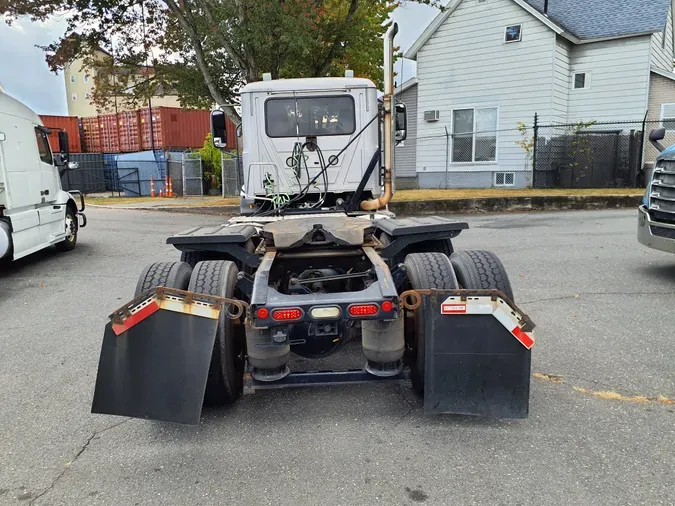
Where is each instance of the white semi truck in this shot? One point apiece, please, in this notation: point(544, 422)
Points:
point(314, 261)
point(35, 212)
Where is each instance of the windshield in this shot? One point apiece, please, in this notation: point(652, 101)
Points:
point(310, 116)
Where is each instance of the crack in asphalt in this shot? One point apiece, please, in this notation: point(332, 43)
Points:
point(74, 459)
point(580, 294)
point(411, 407)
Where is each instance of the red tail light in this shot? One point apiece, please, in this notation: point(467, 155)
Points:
point(363, 310)
point(284, 315)
point(387, 306)
point(263, 313)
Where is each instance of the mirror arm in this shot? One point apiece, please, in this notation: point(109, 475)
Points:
point(658, 145)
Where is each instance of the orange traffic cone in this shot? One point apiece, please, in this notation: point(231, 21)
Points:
point(161, 193)
point(166, 186)
point(152, 186)
point(170, 186)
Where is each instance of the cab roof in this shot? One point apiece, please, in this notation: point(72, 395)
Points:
point(308, 84)
point(11, 106)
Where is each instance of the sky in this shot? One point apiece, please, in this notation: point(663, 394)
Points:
point(24, 73)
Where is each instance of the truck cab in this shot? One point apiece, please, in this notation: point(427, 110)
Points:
point(35, 212)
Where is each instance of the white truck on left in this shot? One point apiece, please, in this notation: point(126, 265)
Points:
point(35, 212)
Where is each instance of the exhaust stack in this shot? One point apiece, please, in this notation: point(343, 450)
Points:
point(388, 99)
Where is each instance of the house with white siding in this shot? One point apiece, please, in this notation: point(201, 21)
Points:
point(483, 66)
point(405, 153)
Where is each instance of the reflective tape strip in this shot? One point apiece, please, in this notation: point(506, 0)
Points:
point(524, 338)
point(485, 305)
point(510, 323)
point(195, 308)
point(174, 304)
point(135, 318)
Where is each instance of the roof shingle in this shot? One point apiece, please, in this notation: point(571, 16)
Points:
point(599, 19)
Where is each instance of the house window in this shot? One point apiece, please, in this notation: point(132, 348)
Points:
point(86, 78)
point(87, 96)
point(505, 179)
point(668, 116)
point(513, 33)
point(581, 80)
point(73, 97)
point(474, 135)
point(72, 78)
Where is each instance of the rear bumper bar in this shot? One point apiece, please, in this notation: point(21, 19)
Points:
point(384, 289)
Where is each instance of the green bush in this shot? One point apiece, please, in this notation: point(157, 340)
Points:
point(211, 162)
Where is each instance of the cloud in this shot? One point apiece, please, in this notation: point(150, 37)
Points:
point(412, 19)
point(24, 73)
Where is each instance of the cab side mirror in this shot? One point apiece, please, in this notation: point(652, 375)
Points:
point(64, 149)
point(219, 129)
point(401, 120)
point(656, 135)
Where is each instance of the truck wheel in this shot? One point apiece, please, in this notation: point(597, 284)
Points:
point(425, 271)
point(481, 270)
point(168, 274)
point(226, 372)
point(72, 227)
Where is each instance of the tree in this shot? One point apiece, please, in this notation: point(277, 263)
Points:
point(204, 50)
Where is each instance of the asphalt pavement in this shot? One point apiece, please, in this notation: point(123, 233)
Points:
point(601, 428)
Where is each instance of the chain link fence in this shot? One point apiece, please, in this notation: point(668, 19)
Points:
point(232, 175)
point(590, 154)
point(135, 177)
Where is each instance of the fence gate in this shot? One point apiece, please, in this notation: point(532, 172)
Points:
point(192, 177)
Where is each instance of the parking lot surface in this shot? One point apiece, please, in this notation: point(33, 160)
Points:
point(602, 420)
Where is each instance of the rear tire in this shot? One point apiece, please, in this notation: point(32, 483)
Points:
point(481, 270)
point(226, 372)
point(425, 271)
point(72, 227)
point(168, 274)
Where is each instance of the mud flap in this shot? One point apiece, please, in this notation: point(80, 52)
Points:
point(477, 356)
point(155, 357)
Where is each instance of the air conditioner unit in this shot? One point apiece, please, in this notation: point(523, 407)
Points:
point(432, 116)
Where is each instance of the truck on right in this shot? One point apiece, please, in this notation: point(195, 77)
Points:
point(656, 214)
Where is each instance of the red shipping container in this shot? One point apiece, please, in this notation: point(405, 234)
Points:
point(110, 141)
point(129, 129)
point(91, 135)
point(178, 128)
point(67, 123)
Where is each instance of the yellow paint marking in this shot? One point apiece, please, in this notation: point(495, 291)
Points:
point(548, 377)
point(615, 396)
point(606, 394)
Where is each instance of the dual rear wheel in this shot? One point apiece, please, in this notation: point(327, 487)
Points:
point(470, 270)
point(224, 384)
point(432, 270)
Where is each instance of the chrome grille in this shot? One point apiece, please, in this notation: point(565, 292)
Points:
point(662, 188)
point(668, 233)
